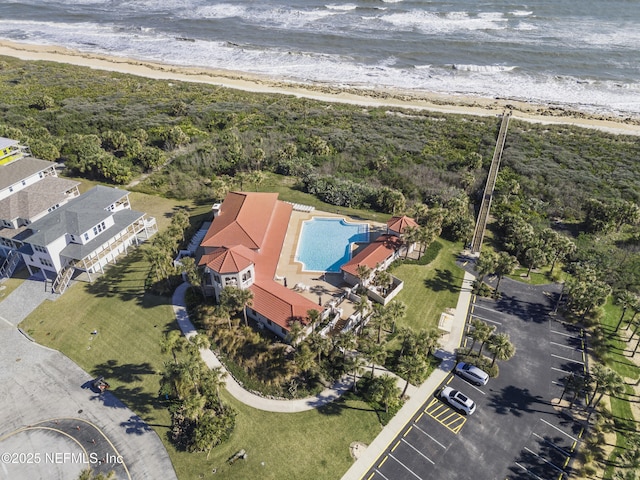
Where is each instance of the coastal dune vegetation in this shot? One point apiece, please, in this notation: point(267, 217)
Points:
point(565, 207)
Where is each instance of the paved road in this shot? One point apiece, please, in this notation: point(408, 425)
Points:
point(52, 425)
point(517, 431)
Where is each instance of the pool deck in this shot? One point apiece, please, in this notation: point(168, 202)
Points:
point(327, 286)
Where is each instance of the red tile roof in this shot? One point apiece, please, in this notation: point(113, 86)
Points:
point(398, 224)
point(281, 305)
point(251, 227)
point(228, 260)
point(373, 254)
point(243, 219)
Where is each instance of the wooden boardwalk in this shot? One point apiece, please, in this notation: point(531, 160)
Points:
point(483, 215)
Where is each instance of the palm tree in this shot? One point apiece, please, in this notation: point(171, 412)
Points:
point(213, 379)
point(506, 265)
point(296, 330)
point(304, 358)
point(407, 339)
point(409, 237)
point(362, 308)
point(535, 258)
point(412, 367)
point(346, 341)
point(396, 310)
point(236, 300)
point(319, 344)
point(563, 248)
point(626, 300)
point(355, 365)
point(313, 317)
point(172, 342)
point(194, 406)
point(419, 212)
point(486, 264)
point(606, 382)
point(379, 319)
point(181, 221)
point(200, 342)
point(377, 355)
point(480, 333)
point(501, 347)
point(363, 272)
point(245, 297)
point(428, 340)
point(382, 279)
point(384, 390)
point(635, 306)
point(484, 335)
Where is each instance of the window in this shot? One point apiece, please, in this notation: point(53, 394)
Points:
point(268, 321)
point(40, 249)
point(86, 236)
point(46, 262)
point(284, 332)
point(11, 189)
point(216, 278)
point(24, 183)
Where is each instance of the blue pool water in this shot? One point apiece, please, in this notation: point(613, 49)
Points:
point(325, 243)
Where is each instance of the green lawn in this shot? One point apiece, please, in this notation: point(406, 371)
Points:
point(10, 284)
point(429, 289)
point(130, 324)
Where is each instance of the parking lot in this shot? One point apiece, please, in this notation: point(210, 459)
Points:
point(518, 430)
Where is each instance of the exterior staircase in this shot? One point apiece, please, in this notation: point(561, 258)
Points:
point(10, 264)
point(61, 282)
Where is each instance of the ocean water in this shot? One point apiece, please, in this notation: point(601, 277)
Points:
point(582, 55)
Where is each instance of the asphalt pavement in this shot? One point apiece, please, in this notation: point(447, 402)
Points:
point(51, 424)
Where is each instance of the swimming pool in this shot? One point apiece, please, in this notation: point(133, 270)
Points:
point(325, 243)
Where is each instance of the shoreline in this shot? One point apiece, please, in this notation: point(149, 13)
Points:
point(372, 97)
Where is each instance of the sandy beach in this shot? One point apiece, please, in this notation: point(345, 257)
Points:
point(417, 100)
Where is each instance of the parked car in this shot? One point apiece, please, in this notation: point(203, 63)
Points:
point(472, 373)
point(458, 400)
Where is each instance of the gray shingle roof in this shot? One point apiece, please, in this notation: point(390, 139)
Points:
point(75, 217)
point(122, 220)
point(13, 172)
point(36, 198)
point(7, 142)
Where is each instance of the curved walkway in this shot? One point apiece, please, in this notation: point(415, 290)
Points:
point(237, 390)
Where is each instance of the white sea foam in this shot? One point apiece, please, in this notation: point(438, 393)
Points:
point(483, 68)
point(345, 7)
point(369, 50)
point(521, 13)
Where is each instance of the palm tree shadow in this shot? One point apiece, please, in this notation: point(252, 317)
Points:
point(443, 280)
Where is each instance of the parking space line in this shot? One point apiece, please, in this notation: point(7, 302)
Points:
point(473, 315)
point(383, 460)
point(419, 452)
point(561, 431)
point(437, 411)
point(565, 334)
point(543, 459)
point(395, 446)
point(561, 370)
point(564, 452)
point(408, 430)
point(566, 346)
point(418, 428)
point(407, 468)
point(528, 471)
point(487, 308)
point(379, 473)
point(372, 474)
point(567, 359)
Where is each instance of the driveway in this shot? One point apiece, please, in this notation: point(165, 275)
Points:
point(51, 424)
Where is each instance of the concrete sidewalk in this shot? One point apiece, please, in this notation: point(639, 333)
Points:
point(407, 412)
point(417, 395)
